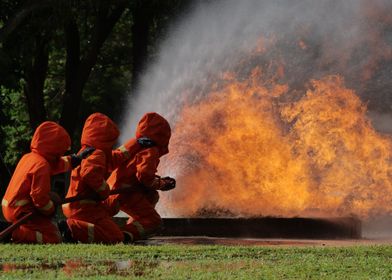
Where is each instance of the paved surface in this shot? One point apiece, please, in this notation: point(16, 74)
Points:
point(203, 240)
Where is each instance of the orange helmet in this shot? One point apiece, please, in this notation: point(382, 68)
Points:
point(157, 128)
point(100, 132)
point(50, 140)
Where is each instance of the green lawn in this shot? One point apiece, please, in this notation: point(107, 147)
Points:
point(194, 262)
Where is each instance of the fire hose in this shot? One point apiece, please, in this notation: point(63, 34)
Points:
point(76, 198)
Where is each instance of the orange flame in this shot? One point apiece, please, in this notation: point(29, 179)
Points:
point(243, 151)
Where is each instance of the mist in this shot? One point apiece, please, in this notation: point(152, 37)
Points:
point(215, 35)
point(312, 39)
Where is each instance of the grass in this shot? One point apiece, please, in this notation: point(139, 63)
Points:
point(194, 262)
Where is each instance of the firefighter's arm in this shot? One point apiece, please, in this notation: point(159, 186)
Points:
point(40, 188)
point(67, 163)
point(62, 165)
point(129, 150)
point(147, 162)
point(92, 172)
point(146, 166)
point(123, 153)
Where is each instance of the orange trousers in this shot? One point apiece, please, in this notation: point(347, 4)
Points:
point(144, 220)
point(39, 229)
point(92, 224)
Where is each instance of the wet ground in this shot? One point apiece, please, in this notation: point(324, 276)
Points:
point(79, 267)
point(202, 240)
point(131, 268)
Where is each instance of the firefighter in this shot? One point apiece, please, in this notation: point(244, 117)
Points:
point(88, 220)
point(29, 188)
point(139, 172)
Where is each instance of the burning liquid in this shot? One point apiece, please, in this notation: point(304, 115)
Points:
point(245, 150)
point(262, 124)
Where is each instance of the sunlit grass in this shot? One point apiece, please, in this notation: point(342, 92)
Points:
point(194, 262)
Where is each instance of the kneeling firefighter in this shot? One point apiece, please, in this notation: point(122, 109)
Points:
point(88, 219)
point(29, 188)
point(138, 174)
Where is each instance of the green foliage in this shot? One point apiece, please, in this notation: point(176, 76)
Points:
point(55, 83)
point(28, 27)
point(16, 130)
point(114, 67)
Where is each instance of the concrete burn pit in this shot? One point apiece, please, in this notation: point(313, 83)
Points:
point(267, 227)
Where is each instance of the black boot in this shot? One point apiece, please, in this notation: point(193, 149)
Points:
point(65, 232)
point(128, 238)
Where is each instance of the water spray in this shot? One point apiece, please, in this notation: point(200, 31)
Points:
point(276, 69)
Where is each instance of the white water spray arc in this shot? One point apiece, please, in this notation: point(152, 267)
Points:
point(298, 40)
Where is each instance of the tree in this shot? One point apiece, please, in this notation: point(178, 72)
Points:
point(78, 67)
point(150, 20)
point(62, 60)
point(31, 28)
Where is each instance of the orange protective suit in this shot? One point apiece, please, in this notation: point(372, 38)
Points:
point(88, 219)
point(29, 187)
point(140, 171)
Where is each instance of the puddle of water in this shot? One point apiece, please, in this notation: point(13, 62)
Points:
point(6, 267)
point(79, 267)
point(132, 267)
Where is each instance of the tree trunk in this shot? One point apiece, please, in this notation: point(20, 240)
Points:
point(36, 72)
point(22, 16)
point(73, 87)
point(78, 69)
point(140, 40)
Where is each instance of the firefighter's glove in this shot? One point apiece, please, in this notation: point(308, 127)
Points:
point(77, 159)
point(168, 184)
point(103, 195)
point(55, 198)
point(145, 142)
point(163, 183)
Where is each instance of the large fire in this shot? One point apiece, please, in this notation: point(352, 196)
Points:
point(280, 133)
point(245, 151)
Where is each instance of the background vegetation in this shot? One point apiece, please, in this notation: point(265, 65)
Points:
point(62, 60)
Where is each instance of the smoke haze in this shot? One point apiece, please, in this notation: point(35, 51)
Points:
point(344, 37)
point(292, 41)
